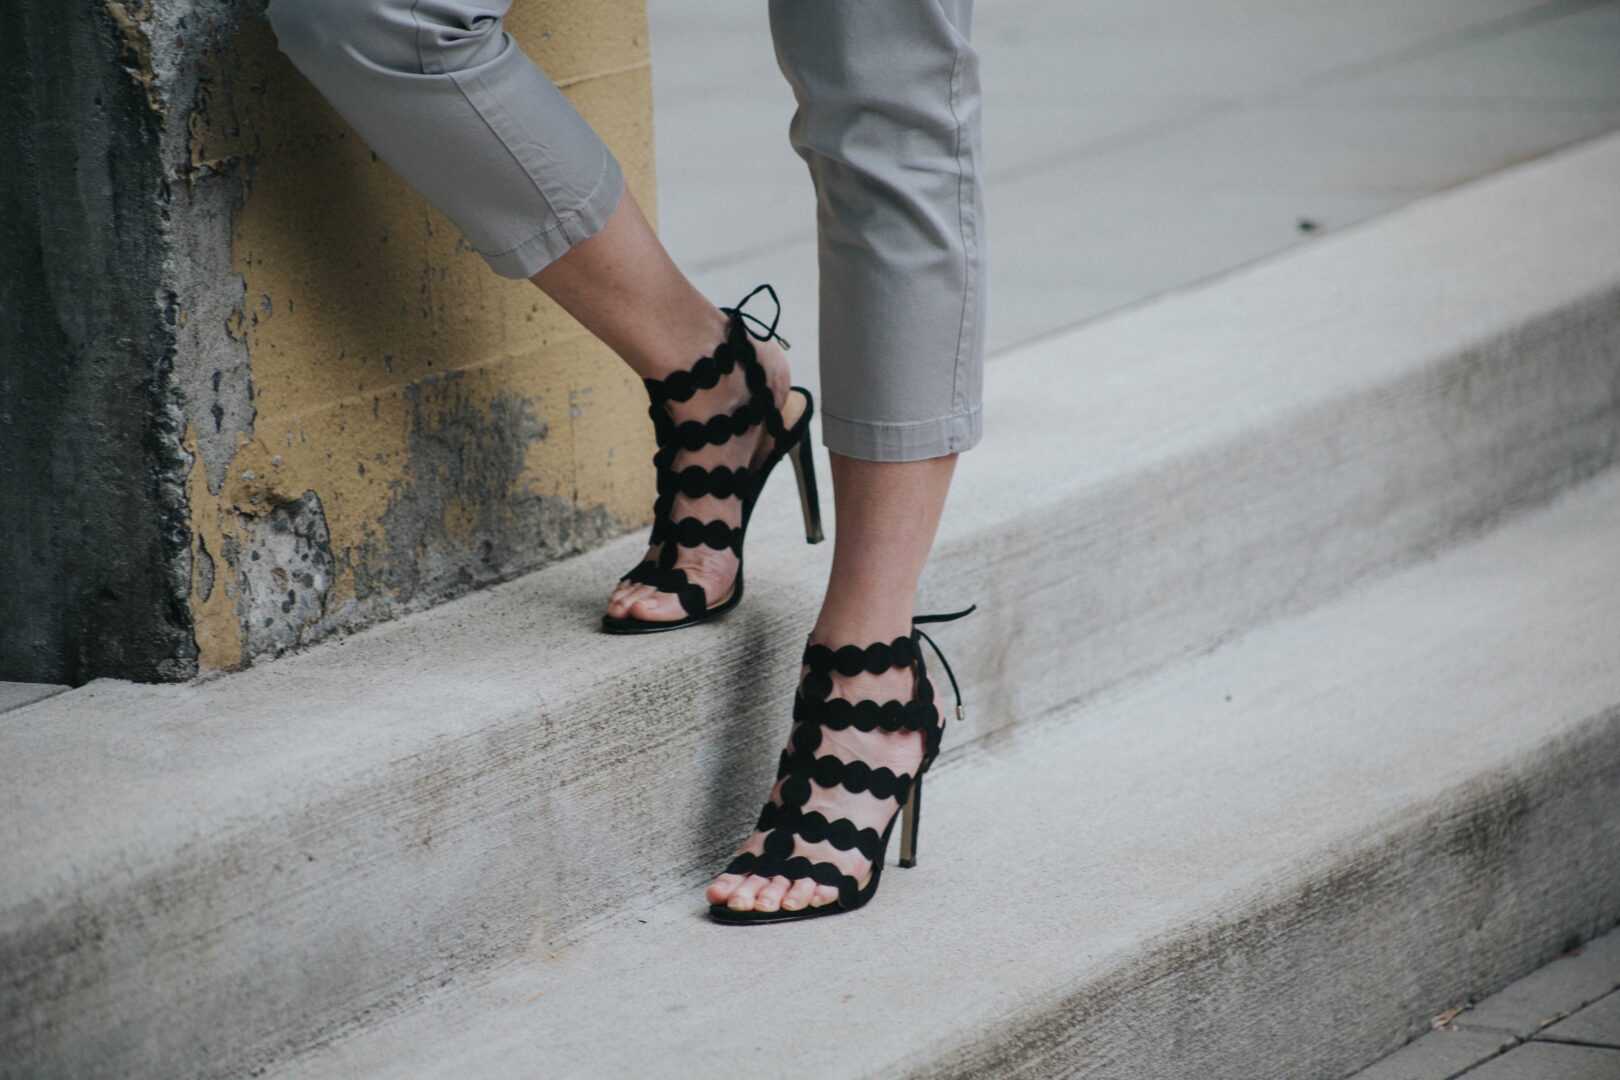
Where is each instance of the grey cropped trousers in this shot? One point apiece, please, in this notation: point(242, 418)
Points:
point(887, 121)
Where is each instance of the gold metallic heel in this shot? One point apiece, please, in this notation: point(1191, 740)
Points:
point(804, 467)
point(908, 825)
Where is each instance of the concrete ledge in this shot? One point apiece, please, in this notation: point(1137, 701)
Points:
point(207, 876)
point(14, 695)
point(1276, 860)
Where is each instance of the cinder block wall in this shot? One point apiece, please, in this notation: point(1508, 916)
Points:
point(296, 404)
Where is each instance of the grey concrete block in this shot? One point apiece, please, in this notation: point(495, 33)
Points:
point(1556, 991)
point(1439, 1055)
point(1552, 990)
point(14, 695)
point(216, 873)
point(1551, 1061)
point(1565, 53)
point(94, 546)
point(1597, 1024)
point(1412, 796)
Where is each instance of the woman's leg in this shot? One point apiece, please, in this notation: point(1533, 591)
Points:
point(888, 123)
point(443, 95)
point(887, 514)
point(622, 285)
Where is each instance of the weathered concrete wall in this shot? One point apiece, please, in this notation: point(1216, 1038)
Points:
point(92, 532)
point(361, 418)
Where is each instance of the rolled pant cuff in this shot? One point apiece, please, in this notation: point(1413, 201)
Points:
point(915, 441)
point(572, 226)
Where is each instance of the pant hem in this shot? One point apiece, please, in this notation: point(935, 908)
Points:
point(581, 223)
point(870, 440)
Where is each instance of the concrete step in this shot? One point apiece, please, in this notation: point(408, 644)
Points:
point(1276, 860)
point(209, 876)
point(14, 695)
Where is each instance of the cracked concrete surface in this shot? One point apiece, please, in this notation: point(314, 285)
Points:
point(254, 331)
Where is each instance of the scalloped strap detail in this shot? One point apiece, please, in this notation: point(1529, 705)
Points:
point(837, 714)
point(850, 660)
point(796, 868)
point(691, 532)
point(668, 533)
point(695, 481)
point(785, 822)
point(705, 374)
point(796, 769)
point(696, 434)
point(694, 600)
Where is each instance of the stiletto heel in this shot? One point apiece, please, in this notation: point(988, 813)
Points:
point(804, 467)
point(744, 483)
point(786, 822)
point(908, 826)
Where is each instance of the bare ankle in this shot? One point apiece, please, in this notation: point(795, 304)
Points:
point(836, 629)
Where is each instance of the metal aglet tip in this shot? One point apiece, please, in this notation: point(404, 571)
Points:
point(961, 714)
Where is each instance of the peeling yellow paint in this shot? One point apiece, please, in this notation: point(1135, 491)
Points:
point(216, 134)
point(213, 603)
point(392, 371)
point(128, 17)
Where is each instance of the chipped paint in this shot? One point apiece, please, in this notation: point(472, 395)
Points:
point(129, 19)
point(373, 399)
point(214, 588)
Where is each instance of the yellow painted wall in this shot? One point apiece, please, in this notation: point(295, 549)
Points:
point(454, 427)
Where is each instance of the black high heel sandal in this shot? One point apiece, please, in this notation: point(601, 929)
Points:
point(745, 483)
point(813, 711)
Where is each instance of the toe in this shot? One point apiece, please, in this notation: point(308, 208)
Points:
point(619, 602)
point(742, 898)
point(623, 596)
point(657, 607)
point(770, 897)
point(721, 888)
point(825, 894)
point(800, 895)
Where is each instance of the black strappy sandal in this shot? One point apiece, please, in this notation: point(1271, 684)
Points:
point(812, 711)
point(745, 483)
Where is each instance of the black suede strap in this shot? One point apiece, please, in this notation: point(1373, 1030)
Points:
point(694, 601)
point(786, 822)
point(691, 532)
point(796, 868)
point(852, 659)
point(705, 374)
point(797, 768)
point(814, 827)
point(693, 481)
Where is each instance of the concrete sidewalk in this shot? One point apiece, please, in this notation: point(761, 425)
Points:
point(1135, 148)
point(1559, 1023)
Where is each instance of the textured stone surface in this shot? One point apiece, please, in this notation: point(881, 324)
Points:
point(93, 544)
point(1477, 1033)
point(1274, 861)
point(1561, 988)
point(14, 695)
point(1551, 1061)
point(276, 855)
point(1598, 1024)
point(222, 306)
point(1439, 1055)
point(455, 429)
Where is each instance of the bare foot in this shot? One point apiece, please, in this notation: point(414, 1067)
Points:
point(900, 751)
point(713, 570)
